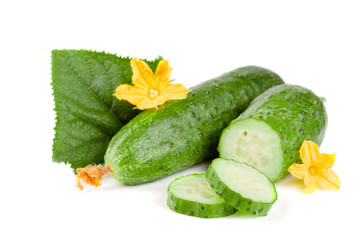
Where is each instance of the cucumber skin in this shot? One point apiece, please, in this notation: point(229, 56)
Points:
point(197, 209)
point(181, 133)
point(295, 113)
point(244, 205)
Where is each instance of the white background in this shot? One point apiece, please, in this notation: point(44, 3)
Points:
point(315, 44)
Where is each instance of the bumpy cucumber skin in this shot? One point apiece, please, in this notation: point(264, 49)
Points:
point(295, 113)
point(181, 133)
point(197, 209)
point(244, 205)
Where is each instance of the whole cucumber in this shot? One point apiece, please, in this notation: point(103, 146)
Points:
point(181, 133)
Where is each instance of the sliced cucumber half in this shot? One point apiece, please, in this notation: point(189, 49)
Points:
point(192, 195)
point(242, 186)
point(254, 142)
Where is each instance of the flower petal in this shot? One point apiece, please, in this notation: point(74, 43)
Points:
point(134, 95)
point(311, 184)
point(327, 160)
point(329, 180)
point(142, 77)
point(298, 170)
point(162, 74)
point(309, 153)
point(174, 91)
point(147, 103)
point(311, 189)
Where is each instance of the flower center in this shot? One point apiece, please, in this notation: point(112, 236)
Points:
point(312, 170)
point(153, 93)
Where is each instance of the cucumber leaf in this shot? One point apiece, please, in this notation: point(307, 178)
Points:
point(87, 113)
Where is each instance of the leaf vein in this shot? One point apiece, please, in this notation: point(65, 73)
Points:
point(90, 90)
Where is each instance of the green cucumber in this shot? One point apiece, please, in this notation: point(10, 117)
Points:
point(192, 195)
point(269, 134)
point(242, 186)
point(181, 133)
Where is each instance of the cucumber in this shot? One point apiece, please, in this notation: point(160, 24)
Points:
point(192, 195)
point(242, 186)
point(269, 134)
point(181, 133)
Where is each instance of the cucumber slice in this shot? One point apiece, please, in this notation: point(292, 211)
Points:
point(192, 195)
point(242, 186)
point(254, 142)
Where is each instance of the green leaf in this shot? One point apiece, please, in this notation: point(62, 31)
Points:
point(87, 113)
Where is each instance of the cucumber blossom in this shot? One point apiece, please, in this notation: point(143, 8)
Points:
point(180, 133)
point(269, 134)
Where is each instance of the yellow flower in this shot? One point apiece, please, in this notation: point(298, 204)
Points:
point(315, 170)
point(150, 90)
